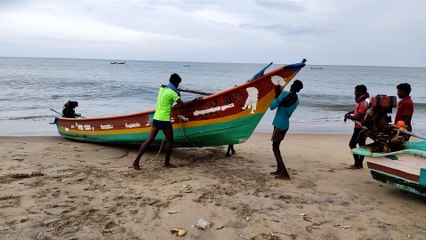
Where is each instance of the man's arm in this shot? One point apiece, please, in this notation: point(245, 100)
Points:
point(276, 101)
point(407, 113)
point(406, 120)
point(348, 114)
point(357, 117)
point(181, 103)
point(278, 91)
point(289, 100)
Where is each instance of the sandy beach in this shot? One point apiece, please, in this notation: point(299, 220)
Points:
point(53, 188)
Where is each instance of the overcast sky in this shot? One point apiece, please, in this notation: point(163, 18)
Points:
point(332, 32)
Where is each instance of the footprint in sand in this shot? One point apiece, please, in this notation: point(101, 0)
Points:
point(56, 194)
point(19, 157)
point(10, 201)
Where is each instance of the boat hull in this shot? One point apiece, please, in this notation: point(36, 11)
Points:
point(404, 169)
point(224, 118)
point(233, 132)
point(407, 173)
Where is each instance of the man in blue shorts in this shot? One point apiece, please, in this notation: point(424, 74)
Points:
point(167, 95)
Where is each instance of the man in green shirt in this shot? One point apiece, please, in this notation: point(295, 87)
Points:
point(167, 95)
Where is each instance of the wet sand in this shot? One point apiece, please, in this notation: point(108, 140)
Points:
point(53, 188)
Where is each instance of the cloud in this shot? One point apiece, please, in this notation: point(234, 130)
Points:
point(353, 32)
point(288, 5)
point(61, 27)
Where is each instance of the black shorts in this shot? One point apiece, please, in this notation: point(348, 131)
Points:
point(162, 125)
point(278, 135)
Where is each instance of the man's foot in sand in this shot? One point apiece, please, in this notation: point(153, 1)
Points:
point(278, 172)
point(169, 165)
point(354, 167)
point(283, 177)
point(135, 166)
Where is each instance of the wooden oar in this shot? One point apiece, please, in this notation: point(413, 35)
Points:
point(194, 91)
point(412, 134)
point(368, 153)
point(53, 110)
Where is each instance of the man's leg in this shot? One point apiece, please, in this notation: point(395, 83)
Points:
point(361, 142)
point(230, 150)
point(281, 169)
point(352, 144)
point(144, 147)
point(277, 137)
point(278, 158)
point(169, 146)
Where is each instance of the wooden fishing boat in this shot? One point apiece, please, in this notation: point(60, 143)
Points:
point(224, 118)
point(404, 169)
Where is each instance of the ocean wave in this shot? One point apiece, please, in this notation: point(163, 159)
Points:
point(320, 119)
point(328, 106)
point(418, 105)
point(35, 117)
point(333, 106)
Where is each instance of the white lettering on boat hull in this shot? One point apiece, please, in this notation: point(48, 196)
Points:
point(183, 118)
point(214, 109)
point(106, 126)
point(85, 127)
point(132, 125)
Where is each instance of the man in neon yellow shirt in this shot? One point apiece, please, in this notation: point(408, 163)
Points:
point(167, 95)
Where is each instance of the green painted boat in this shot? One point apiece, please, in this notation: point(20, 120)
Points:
point(404, 169)
point(223, 118)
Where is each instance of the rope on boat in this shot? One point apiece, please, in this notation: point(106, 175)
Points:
point(159, 150)
point(183, 130)
point(162, 142)
point(158, 153)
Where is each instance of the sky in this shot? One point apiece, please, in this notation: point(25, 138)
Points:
point(325, 32)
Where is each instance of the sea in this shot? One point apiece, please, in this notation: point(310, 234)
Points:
point(33, 90)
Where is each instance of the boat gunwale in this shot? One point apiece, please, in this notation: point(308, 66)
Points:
point(393, 171)
point(205, 98)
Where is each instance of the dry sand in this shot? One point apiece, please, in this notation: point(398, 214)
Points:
point(53, 188)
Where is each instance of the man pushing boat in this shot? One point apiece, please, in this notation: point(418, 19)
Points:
point(167, 96)
point(286, 103)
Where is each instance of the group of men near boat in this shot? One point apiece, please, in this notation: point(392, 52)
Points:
point(373, 123)
point(286, 103)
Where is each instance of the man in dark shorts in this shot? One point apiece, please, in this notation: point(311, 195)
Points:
point(167, 95)
point(405, 107)
point(285, 103)
point(358, 137)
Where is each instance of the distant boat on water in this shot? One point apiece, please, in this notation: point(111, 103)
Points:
point(118, 62)
point(317, 68)
point(186, 65)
